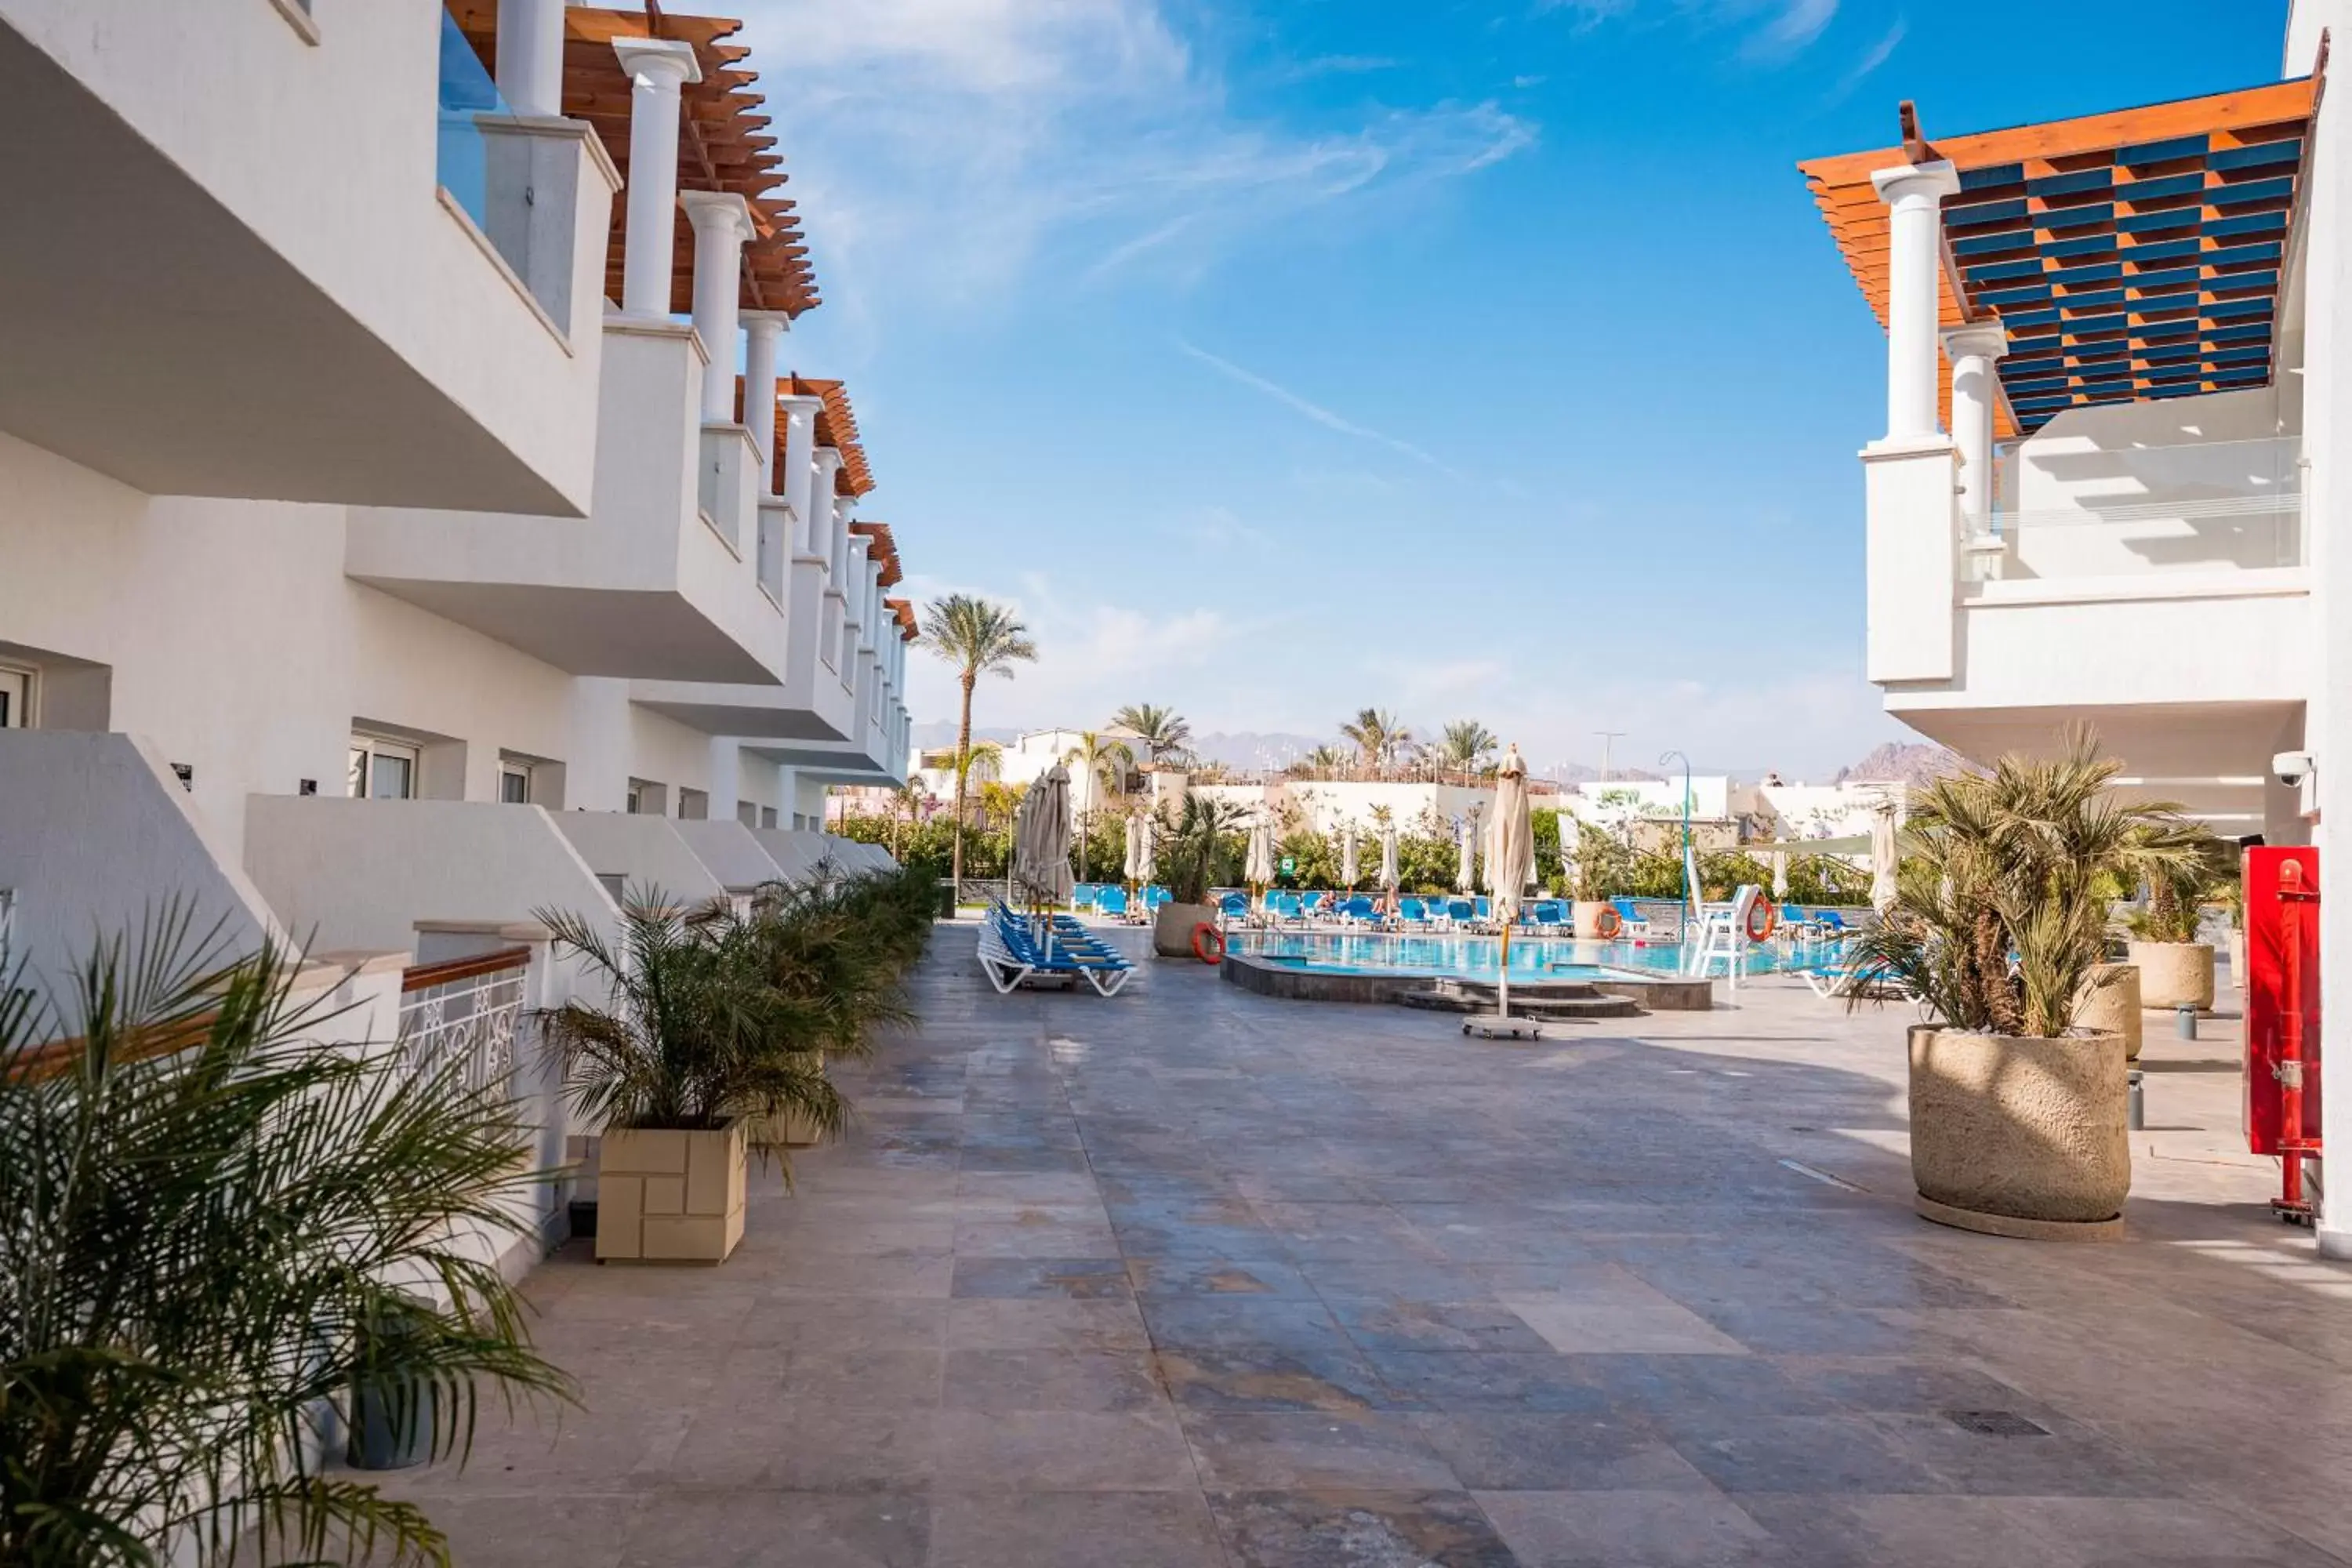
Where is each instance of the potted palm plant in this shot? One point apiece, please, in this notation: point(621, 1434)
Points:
point(2176, 970)
point(694, 1052)
point(1998, 927)
point(1190, 854)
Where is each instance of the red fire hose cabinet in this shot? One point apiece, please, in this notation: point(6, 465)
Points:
point(2282, 1017)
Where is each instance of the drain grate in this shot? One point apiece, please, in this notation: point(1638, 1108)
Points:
point(1995, 1424)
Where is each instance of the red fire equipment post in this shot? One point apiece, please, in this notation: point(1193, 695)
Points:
point(2283, 1031)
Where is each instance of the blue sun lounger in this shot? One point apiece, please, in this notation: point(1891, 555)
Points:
point(1012, 955)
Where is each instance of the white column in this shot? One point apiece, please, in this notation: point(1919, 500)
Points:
point(722, 223)
point(800, 457)
point(1974, 350)
point(656, 70)
point(726, 776)
point(530, 56)
point(763, 332)
point(824, 517)
point(1914, 193)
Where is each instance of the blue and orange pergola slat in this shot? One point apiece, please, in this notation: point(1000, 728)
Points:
point(2129, 256)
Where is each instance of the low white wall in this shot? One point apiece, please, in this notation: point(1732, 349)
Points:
point(733, 856)
point(97, 836)
point(363, 873)
point(647, 853)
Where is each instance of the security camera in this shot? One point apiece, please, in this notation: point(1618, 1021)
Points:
point(2291, 767)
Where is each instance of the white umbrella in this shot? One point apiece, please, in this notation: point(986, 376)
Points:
point(1260, 869)
point(1389, 877)
point(1349, 871)
point(1465, 864)
point(1882, 859)
point(1510, 857)
point(1134, 841)
point(1780, 875)
point(1145, 861)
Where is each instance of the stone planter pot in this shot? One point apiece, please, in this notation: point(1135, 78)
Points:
point(668, 1197)
point(1172, 927)
point(1588, 918)
point(2173, 973)
point(2019, 1137)
point(2112, 1009)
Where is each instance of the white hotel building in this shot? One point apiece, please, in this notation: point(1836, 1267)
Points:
point(2119, 380)
point(385, 551)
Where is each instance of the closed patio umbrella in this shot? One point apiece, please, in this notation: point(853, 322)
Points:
point(1882, 858)
point(1259, 871)
point(1780, 875)
point(1133, 840)
point(1041, 862)
point(1466, 863)
point(1510, 858)
point(1146, 861)
point(1388, 857)
point(1349, 871)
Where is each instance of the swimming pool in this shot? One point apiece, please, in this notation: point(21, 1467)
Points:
point(1474, 957)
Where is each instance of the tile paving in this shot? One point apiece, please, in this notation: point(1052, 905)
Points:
point(1194, 1279)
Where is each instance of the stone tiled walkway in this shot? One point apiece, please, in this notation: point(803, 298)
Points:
point(1192, 1278)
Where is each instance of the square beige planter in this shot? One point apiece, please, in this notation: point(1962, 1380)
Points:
point(670, 1196)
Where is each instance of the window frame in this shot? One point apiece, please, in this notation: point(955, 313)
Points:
point(373, 747)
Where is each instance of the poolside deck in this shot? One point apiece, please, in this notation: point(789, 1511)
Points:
point(1197, 1279)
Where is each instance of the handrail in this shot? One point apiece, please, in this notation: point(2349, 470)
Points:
point(423, 976)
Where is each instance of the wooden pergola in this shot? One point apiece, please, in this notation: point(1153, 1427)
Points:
point(904, 610)
point(884, 549)
point(836, 426)
point(722, 144)
point(2130, 255)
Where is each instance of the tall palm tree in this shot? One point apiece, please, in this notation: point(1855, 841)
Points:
point(1466, 745)
point(1325, 760)
point(1164, 730)
point(1105, 762)
point(979, 639)
point(1376, 736)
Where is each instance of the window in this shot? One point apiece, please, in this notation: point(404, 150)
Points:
point(693, 805)
point(767, 816)
point(747, 813)
point(15, 697)
point(514, 784)
point(382, 769)
point(647, 798)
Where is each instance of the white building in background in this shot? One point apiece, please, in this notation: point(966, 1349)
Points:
point(2120, 506)
point(389, 544)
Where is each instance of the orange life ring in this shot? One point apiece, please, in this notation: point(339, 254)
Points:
point(1761, 910)
point(1608, 923)
point(1205, 936)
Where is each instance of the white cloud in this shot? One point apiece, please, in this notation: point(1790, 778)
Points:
point(1877, 54)
point(1777, 31)
point(949, 147)
point(1312, 411)
point(1793, 30)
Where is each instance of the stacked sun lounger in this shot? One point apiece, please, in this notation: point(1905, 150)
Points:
point(1015, 951)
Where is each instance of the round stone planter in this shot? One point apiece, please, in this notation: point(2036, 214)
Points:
point(2173, 973)
point(2111, 1005)
point(1588, 918)
point(1172, 927)
point(2019, 1137)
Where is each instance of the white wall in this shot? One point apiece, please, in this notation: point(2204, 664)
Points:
point(648, 854)
point(362, 873)
point(2172, 467)
point(327, 152)
point(97, 838)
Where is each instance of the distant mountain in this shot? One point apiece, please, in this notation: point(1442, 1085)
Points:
point(940, 733)
point(1917, 763)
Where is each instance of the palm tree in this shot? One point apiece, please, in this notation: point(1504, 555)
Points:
point(1164, 730)
point(1326, 760)
point(1376, 736)
point(212, 1226)
point(1105, 761)
point(979, 639)
point(1468, 743)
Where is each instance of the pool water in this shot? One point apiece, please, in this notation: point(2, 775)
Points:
point(1476, 957)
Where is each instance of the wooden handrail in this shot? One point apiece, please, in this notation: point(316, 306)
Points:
point(423, 976)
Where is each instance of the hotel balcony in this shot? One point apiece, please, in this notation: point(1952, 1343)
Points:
point(295, 255)
point(661, 581)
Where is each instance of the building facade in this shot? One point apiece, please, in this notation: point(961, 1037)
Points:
point(2105, 493)
point(449, 538)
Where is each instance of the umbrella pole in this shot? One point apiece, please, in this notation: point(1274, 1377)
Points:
point(1503, 1004)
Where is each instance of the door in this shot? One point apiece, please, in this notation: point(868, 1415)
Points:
point(15, 697)
point(514, 784)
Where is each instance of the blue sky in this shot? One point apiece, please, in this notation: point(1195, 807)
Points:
point(1470, 358)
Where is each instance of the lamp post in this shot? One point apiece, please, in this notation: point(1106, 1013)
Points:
point(1690, 872)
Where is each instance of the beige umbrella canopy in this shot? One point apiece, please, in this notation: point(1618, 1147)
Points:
point(1350, 870)
point(1389, 877)
point(1260, 871)
point(1466, 856)
point(1882, 859)
point(1510, 859)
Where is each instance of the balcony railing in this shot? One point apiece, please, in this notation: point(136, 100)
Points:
point(467, 1014)
point(490, 167)
point(2189, 507)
